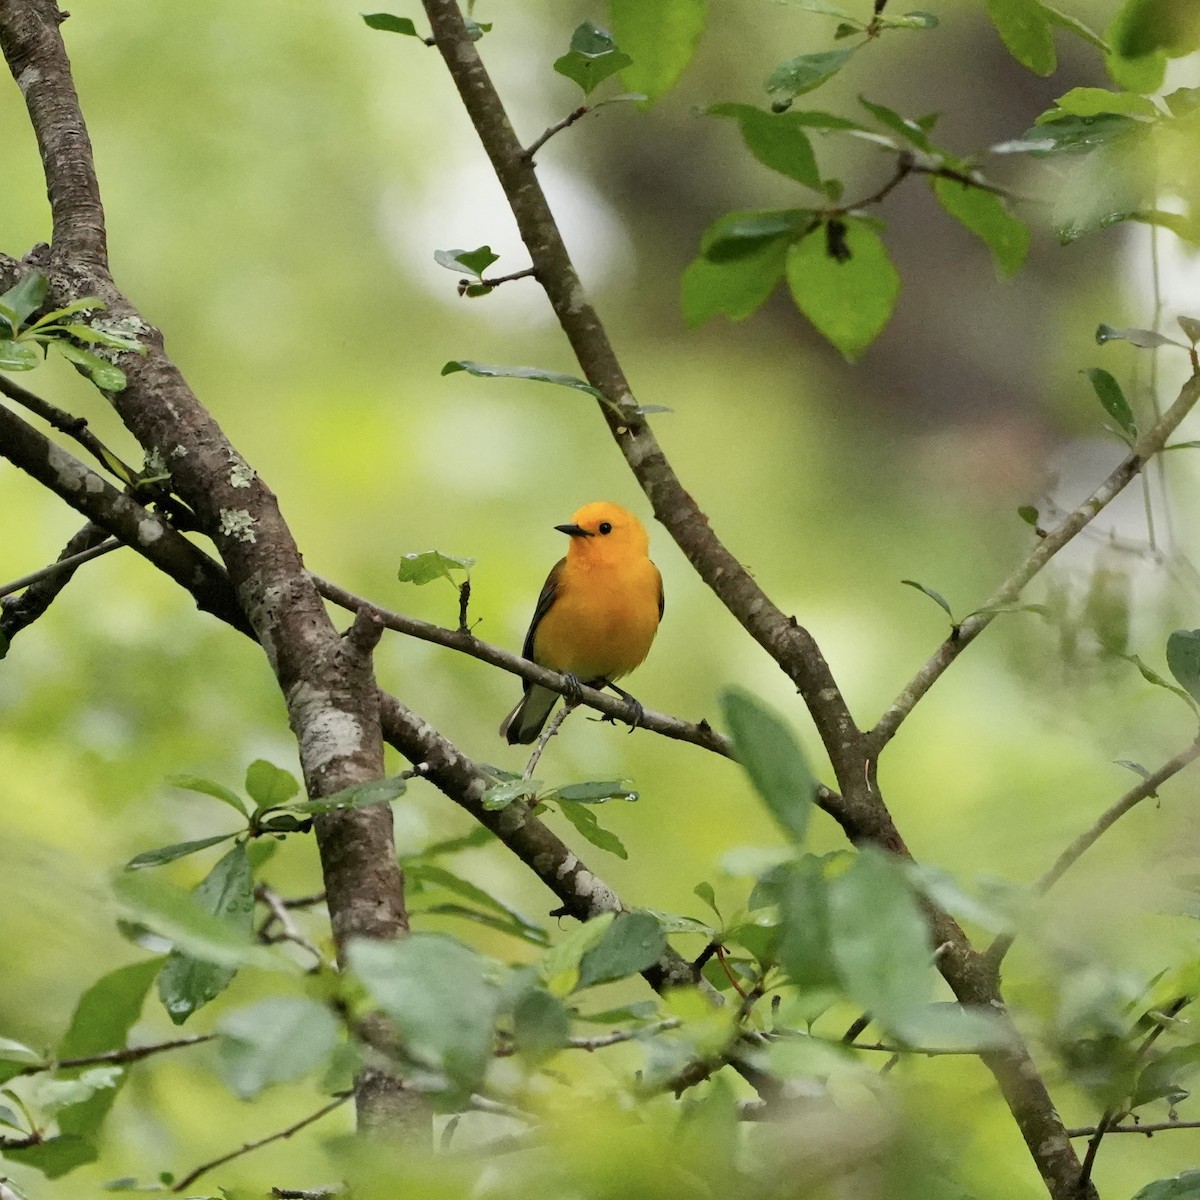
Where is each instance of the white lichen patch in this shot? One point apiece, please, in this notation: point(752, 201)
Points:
point(70, 474)
point(326, 733)
point(242, 473)
point(238, 523)
point(149, 531)
point(179, 452)
point(28, 78)
point(567, 865)
point(154, 469)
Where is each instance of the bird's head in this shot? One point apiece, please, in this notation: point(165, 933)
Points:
point(602, 530)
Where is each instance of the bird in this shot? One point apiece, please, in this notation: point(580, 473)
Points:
point(596, 616)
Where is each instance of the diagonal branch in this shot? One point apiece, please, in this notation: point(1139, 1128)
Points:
point(1148, 445)
point(787, 642)
point(1085, 841)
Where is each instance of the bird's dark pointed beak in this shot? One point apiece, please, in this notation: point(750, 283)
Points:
point(573, 530)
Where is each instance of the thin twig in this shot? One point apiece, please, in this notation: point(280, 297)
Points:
point(544, 738)
point(1113, 1115)
point(1146, 1130)
point(290, 931)
point(508, 1048)
point(567, 121)
point(246, 1147)
point(127, 1054)
point(57, 568)
point(1149, 444)
point(72, 426)
point(698, 734)
point(1074, 852)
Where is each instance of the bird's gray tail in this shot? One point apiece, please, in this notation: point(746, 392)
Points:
point(525, 722)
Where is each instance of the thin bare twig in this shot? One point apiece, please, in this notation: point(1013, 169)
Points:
point(567, 121)
point(544, 738)
point(127, 1054)
point(698, 734)
point(70, 563)
point(1074, 852)
point(1149, 444)
point(290, 932)
point(203, 1169)
point(1145, 1130)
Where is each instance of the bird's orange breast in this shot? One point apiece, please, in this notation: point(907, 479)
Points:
point(602, 621)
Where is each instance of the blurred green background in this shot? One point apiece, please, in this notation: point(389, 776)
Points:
point(277, 178)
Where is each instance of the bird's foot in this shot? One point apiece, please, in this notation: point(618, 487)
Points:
point(637, 714)
point(574, 692)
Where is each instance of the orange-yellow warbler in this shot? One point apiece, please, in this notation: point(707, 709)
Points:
point(597, 614)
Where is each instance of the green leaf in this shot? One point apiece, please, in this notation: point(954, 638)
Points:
point(501, 795)
point(777, 140)
point(806, 72)
point(1183, 660)
point(1163, 1078)
point(847, 291)
point(677, 923)
point(984, 214)
point(474, 261)
point(1024, 27)
point(102, 1020)
point(87, 303)
point(1074, 25)
point(390, 24)
point(274, 1041)
point(1091, 101)
point(268, 785)
point(429, 565)
point(560, 964)
point(704, 891)
point(486, 371)
point(17, 1052)
point(100, 337)
point(361, 795)
point(541, 1025)
point(593, 57)
point(1145, 27)
point(633, 942)
point(1153, 677)
point(660, 38)
point(18, 356)
point(1190, 327)
point(1184, 1186)
point(208, 787)
point(439, 997)
point(166, 854)
point(586, 822)
point(911, 20)
point(205, 965)
point(879, 938)
point(102, 373)
point(25, 297)
point(738, 234)
point(909, 130)
point(1109, 392)
point(805, 949)
point(958, 1027)
point(1116, 182)
point(595, 792)
point(1144, 339)
point(772, 758)
point(1028, 514)
point(427, 873)
point(55, 1156)
point(936, 597)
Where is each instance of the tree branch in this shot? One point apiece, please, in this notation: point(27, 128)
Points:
point(1074, 852)
point(1149, 444)
point(788, 643)
point(327, 683)
point(183, 1184)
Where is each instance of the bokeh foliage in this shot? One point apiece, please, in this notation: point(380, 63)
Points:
point(277, 189)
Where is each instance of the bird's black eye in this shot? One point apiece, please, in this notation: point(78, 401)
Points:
point(605, 527)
